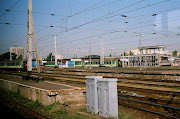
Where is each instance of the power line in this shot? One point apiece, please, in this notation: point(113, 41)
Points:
point(10, 8)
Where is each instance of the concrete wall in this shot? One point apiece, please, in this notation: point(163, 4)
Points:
point(45, 97)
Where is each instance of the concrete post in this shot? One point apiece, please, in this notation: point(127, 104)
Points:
point(91, 93)
point(29, 39)
point(101, 96)
point(107, 98)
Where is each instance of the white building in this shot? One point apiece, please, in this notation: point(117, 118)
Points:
point(19, 51)
point(161, 50)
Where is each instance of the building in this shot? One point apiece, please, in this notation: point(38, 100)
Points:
point(19, 51)
point(149, 50)
point(149, 56)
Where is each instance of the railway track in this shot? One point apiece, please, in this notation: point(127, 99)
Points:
point(21, 109)
point(130, 86)
point(165, 108)
point(159, 109)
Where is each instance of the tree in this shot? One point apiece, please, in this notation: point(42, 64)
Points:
point(13, 55)
point(131, 53)
point(20, 57)
point(174, 53)
point(6, 56)
point(49, 57)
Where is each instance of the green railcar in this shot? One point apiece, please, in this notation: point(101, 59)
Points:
point(11, 64)
point(96, 63)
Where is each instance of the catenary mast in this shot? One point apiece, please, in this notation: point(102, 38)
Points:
point(29, 38)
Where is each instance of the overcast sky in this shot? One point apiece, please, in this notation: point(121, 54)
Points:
point(77, 22)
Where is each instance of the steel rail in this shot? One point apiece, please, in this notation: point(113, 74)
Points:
point(147, 110)
point(143, 109)
point(150, 103)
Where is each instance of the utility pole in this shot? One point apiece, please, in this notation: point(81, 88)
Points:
point(89, 53)
point(55, 50)
point(140, 53)
point(140, 35)
point(61, 56)
point(128, 58)
point(41, 55)
point(29, 39)
point(10, 55)
point(111, 55)
point(35, 46)
point(123, 57)
point(101, 52)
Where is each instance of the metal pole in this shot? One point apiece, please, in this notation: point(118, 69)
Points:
point(128, 58)
point(55, 50)
point(89, 53)
point(61, 57)
point(101, 52)
point(140, 53)
point(123, 57)
point(29, 39)
point(111, 55)
point(10, 55)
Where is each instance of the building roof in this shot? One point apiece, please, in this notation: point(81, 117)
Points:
point(153, 47)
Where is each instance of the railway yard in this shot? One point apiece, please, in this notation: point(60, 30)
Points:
point(148, 93)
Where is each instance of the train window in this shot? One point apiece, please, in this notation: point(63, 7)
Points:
point(17, 63)
point(1, 64)
point(12, 64)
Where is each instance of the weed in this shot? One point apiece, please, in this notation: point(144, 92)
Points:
point(83, 109)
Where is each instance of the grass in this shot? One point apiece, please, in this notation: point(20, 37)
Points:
point(55, 110)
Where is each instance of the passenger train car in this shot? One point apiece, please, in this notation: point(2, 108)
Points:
point(108, 62)
point(16, 64)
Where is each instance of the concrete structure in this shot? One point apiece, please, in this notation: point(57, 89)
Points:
point(91, 93)
point(107, 98)
point(71, 96)
point(19, 51)
point(101, 96)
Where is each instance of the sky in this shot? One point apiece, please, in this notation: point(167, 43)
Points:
point(79, 24)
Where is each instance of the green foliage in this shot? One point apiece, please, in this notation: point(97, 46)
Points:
point(60, 112)
point(174, 53)
point(83, 109)
point(5, 56)
point(49, 57)
point(34, 104)
point(13, 56)
point(20, 57)
point(78, 116)
point(50, 107)
point(131, 53)
point(122, 115)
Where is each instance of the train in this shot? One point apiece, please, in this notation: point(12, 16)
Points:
point(16, 64)
point(108, 62)
point(22, 64)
